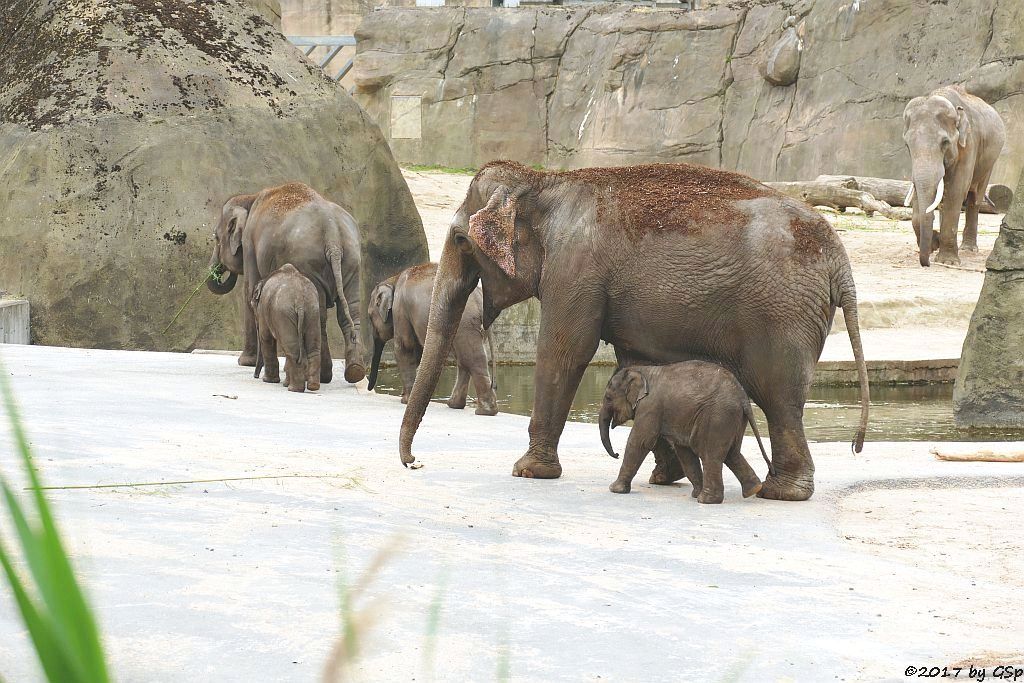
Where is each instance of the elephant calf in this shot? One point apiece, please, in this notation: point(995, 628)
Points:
point(287, 309)
point(697, 408)
point(399, 309)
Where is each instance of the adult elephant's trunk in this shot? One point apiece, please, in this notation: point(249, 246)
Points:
point(378, 350)
point(606, 439)
point(452, 287)
point(928, 190)
point(214, 284)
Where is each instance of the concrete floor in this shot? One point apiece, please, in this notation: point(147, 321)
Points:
point(899, 560)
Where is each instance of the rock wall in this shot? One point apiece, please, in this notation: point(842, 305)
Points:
point(989, 388)
point(611, 85)
point(125, 124)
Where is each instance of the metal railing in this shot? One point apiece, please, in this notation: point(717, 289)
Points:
point(334, 45)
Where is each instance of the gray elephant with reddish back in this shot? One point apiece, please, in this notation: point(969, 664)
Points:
point(259, 233)
point(954, 140)
point(698, 409)
point(399, 308)
point(287, 309)
point(667, 263)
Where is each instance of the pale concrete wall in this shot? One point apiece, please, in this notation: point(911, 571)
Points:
point(14, 321)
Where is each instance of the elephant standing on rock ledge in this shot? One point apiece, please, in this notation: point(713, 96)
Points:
point(667, 262)
point(954, 140)
point(259, 233)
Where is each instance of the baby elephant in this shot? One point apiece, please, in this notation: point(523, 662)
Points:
point(287, 309)
point(399, 308)
point(698, 408)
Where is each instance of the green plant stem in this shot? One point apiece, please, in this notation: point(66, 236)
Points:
point(209, 274)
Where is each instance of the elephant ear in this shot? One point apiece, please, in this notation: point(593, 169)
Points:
point(385, 302)
point(493, 228)
point(235, 227)
point(636, 387)
point(963, 126)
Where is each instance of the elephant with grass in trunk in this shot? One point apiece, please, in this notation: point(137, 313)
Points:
point(287, 309)
point(666, 262)
point(954, 140)
point(698, 408)
point(259, 233)
point(399, 308)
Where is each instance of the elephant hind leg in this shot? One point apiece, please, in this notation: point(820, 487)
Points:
point(713, 490)
point(271, 365)
point(794, 470)
point(326, 364)
point(460, 392)
point(667, 467)
point(749, 481)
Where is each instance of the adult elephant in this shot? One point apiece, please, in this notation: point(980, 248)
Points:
point(954, 140)
point(667, 263)
point(292, 223)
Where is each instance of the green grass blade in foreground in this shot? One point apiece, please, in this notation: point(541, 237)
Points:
point(64, 632)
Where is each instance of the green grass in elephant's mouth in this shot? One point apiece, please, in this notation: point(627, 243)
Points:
point(898, 413)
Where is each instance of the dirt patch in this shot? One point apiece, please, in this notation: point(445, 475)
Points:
point(288, 197)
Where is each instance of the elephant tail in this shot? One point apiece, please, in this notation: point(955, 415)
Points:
point(300, 325)
point(334, 255)
point(748, 412)
point(847, 300)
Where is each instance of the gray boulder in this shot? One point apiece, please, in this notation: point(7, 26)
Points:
point(123, 129)
point(990, 384)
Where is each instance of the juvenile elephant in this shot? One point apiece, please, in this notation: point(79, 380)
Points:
point(954, 140)
point(399, 308)
point(259, 233)
point(666, 262)
point(698, 408)
point(287, 308)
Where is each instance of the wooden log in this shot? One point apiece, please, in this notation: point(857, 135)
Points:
point(979, 455)
point(892, 192)
point(836, 197)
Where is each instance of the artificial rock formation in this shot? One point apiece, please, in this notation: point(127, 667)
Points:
point(990, 383)
point(125, 124)
point(609, 84)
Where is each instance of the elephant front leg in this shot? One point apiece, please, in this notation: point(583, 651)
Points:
point(408, 360)
point(632, 459)
point(949, 220)
point(569, 334)
point(791, 457)
point(248, 357)
point(486, 399)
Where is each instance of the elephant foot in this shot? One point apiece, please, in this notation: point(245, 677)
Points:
point(533, 466)
point(456, 405)
point(710, 498)
point(486, 410)
point(247, 360)
point(619, 486)
point(298, 388)
point(326, 376)
point(783, 487)
point(313, 386)
point(271, 379)
point(969, 248)
point(405, 399)
point(667, 473)
point(354, 372)
point(752, 489)
point(947, 257)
